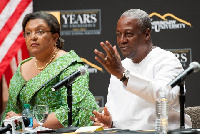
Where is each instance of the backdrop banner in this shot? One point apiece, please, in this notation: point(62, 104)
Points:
point(86, 23)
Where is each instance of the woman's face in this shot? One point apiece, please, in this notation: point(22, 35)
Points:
point(38, 37)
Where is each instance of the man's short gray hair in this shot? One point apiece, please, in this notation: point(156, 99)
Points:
point(144, 21)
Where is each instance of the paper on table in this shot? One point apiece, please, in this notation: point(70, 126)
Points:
point(90, 129)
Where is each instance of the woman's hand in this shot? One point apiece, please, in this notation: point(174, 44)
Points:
point(11, 114)
point(102, 119)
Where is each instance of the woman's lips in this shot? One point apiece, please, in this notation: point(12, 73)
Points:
point(34, 44)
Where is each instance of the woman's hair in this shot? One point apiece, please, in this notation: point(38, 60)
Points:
point(51, 21)
point(144, 21)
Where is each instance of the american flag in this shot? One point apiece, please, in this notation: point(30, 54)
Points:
point(12, 44)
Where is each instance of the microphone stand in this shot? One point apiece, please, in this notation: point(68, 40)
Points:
point(182, 129)
point(70, 128)
point(182, 106)
point(69, 102)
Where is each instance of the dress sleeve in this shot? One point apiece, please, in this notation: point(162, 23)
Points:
point(9, 107)
point(16, 83)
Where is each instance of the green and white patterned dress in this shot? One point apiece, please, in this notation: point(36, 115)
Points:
point(38, 91)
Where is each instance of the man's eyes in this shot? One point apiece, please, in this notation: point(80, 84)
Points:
point(129, 34)
point(125, 33)
point(118, 34)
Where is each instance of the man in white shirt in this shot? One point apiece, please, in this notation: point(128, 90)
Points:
point(137, 80)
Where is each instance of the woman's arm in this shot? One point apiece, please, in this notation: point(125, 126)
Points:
point(51, 122)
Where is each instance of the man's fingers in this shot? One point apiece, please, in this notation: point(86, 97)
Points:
point(105, 48)
point(106, 112)
point(116, 52)
point(97, 114)
point(100, 54)
point(101, 124)
point(110, 48)
point(94, 112)
point(92, 118)
point(100, 57)
point(97, 124)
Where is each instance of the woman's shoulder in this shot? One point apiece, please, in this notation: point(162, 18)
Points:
point(69, 56)
point(26, 62)
point(65, 60)
point(61, 53)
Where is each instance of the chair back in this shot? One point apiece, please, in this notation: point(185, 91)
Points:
point(194, 113)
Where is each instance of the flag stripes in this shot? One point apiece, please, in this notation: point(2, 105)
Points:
point(12, 44)
point(3, 4)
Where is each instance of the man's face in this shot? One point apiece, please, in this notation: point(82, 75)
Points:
point(130, 39)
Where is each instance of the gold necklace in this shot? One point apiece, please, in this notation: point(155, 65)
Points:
point(53, 56)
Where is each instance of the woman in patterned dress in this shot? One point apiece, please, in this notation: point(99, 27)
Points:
point(35, 76)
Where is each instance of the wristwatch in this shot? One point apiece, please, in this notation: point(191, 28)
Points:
point(126, 75)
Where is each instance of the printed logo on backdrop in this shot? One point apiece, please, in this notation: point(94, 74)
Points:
point(80, 22)
point(167, 21)
point(184, 55)
point(92, 68)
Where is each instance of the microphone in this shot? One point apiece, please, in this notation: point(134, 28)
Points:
point(193, 68)
point(16, 124)
point(5, 129)
point(69, 79)
point(26, 121)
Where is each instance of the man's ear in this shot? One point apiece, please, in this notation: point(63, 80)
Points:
point(148, 33)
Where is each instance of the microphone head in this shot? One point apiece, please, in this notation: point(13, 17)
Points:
point(26, 121)
point(195, 66)
point(82, 70)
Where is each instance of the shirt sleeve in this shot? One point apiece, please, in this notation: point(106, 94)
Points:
point(163, 72)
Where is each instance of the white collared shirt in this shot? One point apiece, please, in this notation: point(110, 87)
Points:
point(133, 106)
